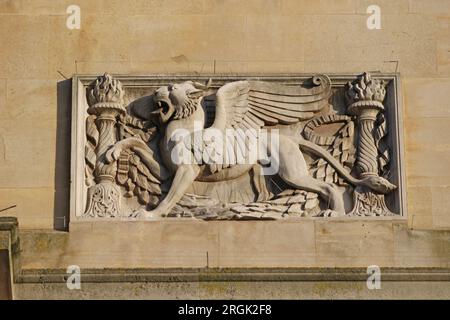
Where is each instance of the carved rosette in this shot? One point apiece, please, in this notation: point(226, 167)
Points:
point(364, 98)
point(105, 100)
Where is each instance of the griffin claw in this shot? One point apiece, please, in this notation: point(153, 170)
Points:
point(328, 213)
point(113, 154)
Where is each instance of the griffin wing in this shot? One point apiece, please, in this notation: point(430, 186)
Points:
point(248, 106)
point(138, 169)
point(255, 104)
point(137, 178)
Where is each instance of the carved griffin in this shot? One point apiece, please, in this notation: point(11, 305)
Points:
point(245, 108)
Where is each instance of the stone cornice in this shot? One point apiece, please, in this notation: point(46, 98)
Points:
point(234, 275)
point(136, 275)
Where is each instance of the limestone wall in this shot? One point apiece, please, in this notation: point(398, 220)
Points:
point(222, 36)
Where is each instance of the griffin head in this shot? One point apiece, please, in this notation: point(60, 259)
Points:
point(180, 100)
point(378, 184)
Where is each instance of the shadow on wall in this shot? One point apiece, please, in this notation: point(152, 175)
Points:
point(62, 159)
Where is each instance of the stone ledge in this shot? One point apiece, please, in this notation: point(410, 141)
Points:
point(189, 245)
point(316, 282)
point(10, 226)
point(233, 275)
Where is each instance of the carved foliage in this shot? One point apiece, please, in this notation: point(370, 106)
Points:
point(137, 179)
point(103, 201)
point(132, 174)
point(367, 203)
point(339, 145)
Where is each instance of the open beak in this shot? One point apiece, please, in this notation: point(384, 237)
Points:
point(165, 109)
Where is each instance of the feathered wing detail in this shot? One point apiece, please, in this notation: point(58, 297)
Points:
point(137, 179)
point(138, 171)
point(340, 146)
point(254, 104)
point(247, 106)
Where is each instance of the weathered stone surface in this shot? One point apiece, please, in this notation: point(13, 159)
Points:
point(286, 37)
point(31, 165)
point(163, 67)
point(251, 7)
point(238, 290)
point(432, 7)
point(426, 108)
point(3, 85)
point(443, 58)
point(28, 7)
point(223, 244)
point(330, 40)
point(441, 207)
point(424, 145)
point(34, 206)
point(426, 97)
point(386, 6)
point(26, 56)
point(424, 133)
point(46, 255)
point(229, 37)
point(136, 245)
point(19, 93)
point(419, 207)
point(420, 248)
point(354, 243)
point(28, 25)
point(304, 7)
point(443, 49)
point(259, 244)
point(415, 165)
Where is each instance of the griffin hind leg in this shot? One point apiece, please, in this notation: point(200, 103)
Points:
point(259, 183)
point(293, 170)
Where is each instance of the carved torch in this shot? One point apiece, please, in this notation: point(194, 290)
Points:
point(105, 100)
point(364, 98)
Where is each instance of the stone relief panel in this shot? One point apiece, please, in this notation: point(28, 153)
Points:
point(236, 148)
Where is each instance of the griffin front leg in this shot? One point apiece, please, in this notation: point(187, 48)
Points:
point(184, 177)
point(259, 183)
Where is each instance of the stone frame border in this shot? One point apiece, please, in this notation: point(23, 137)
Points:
point(393, 101)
